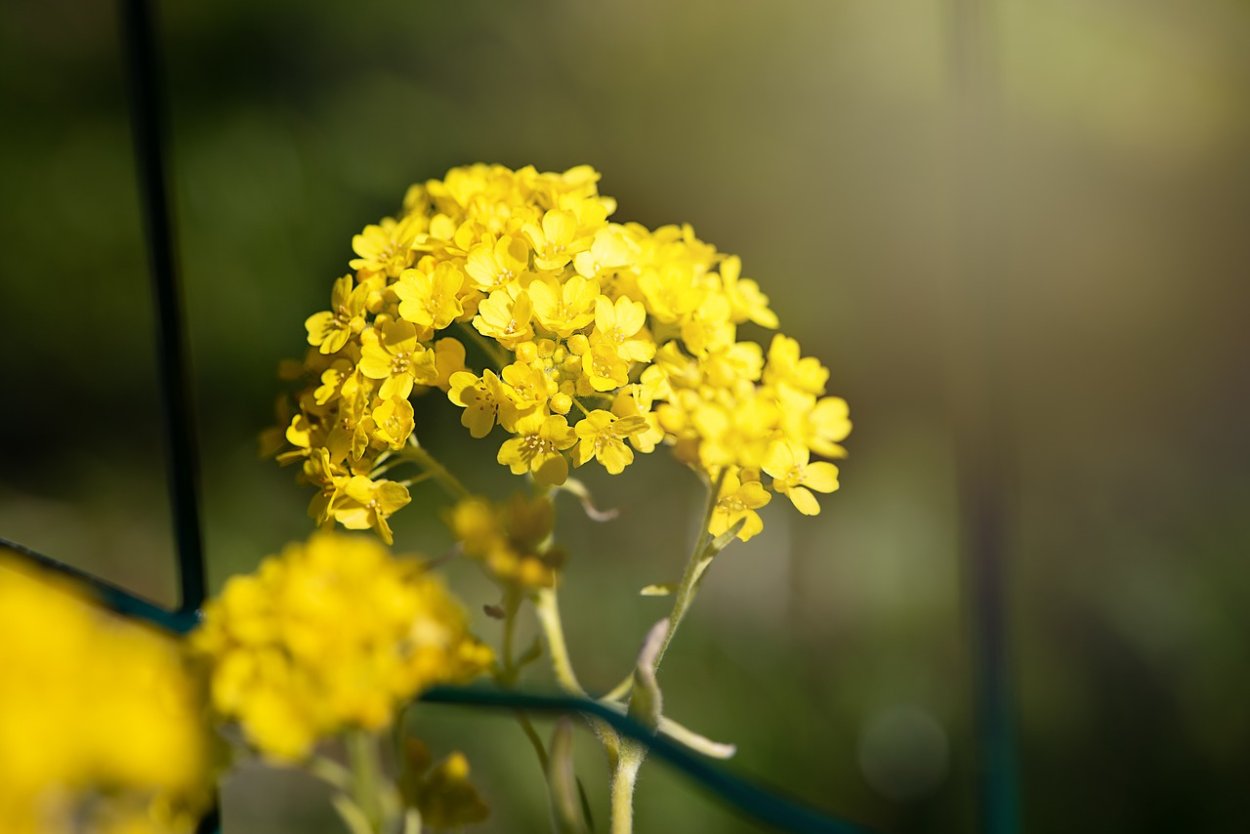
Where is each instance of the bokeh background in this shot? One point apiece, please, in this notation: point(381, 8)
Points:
point(1015, 231)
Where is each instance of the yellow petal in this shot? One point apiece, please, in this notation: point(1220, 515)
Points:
point(821, 476)
point(804, 501)
point(553, 471)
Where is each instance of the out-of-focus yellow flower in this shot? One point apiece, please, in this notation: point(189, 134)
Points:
point(745, 298)
point(443, 793)
point(512, 540)
point(102, 726)
point(331, 634)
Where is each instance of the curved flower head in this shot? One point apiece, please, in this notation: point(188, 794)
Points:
point(629, 332)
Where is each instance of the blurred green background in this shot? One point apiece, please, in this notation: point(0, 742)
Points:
point(1016, 232)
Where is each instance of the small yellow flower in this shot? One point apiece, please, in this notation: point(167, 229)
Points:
point(491, 265)
point(602, 437)
point(537, 448)
point(785, 367)
point(393, 421)
point(528, 386)
point(363, 504)
point(631, 401)
point(604, 368)
point(565, 308)
point(795, 477)
point(430, 299)
point(620, 325)
point(398, 359)
point(611, 249)
point(329, 478)
point(505, 317)
point(707, 327)
point(745, 298)
point(385, 248)
point(670, 291)
point(329, 330)
point(485, 400)
point(555, 242)
point(739, 499)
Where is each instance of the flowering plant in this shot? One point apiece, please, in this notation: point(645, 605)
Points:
point(585, 342)
point(597, 341)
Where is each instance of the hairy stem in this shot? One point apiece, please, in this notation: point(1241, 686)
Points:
point(548, 609)
point(624, 779)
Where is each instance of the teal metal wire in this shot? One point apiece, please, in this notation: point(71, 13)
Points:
point(765, 806)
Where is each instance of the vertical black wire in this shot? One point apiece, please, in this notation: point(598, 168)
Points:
point(982, 419)
point(139, 47)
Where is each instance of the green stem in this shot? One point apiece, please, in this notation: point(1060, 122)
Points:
point(330, 772)
point(632, 755)
point(362, 752)
point(548, 609)
point(547, 606)
point(436, 470)
point(535, 740)
point(507, 674)
point(489, 346)
point(619, 691)
point(624, 779)
point(686, 589)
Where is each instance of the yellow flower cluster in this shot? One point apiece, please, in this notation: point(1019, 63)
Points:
point(330, 635)
point(102, 728)
point(606, 339)
point(512, 540)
